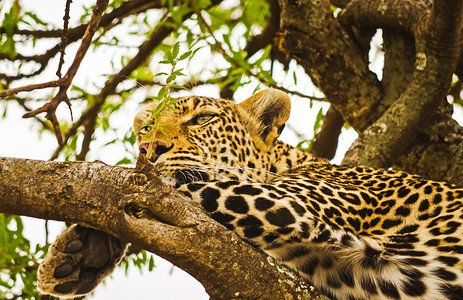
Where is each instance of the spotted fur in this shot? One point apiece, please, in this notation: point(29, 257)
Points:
point(355, 233)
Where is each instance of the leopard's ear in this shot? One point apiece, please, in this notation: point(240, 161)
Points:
point(266, 113)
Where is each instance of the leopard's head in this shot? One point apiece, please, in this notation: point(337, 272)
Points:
point(214, 139)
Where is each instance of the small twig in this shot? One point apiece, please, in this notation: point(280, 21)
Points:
point(86, 41)
point(89, 129)
point(65, 82)
point(64, 37)
point(22, 103)
point(46, 232)
point(27, 88)
point(74, 34)
point(56, 128)
point(301, 94)
point(248, 72)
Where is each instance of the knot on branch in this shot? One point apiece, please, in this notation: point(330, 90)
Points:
point(160, 207)
point(290, 42)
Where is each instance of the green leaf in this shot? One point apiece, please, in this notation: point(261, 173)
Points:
point(151, 263)
point(176, 86)
point(162, 130)
point(157, 109)
point(185, 55)
point(201, 4)
point(170, 57)
point(178, 72)
point(124, 161)
point(160, 74)
point(36, 19)
point(300, 145)
point(175, 50)
point(111, 142)
point(170, 78)
point(161, 94)
point(318, 120)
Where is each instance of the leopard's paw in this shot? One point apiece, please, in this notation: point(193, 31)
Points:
point(78, 260)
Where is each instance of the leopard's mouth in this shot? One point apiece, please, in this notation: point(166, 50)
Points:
point(154, 150)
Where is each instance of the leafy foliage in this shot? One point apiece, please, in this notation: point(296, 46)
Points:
point(163, 99)
point(18, 261)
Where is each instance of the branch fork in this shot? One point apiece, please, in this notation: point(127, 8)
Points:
point(64, 82)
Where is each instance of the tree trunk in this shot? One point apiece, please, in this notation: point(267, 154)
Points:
point(403, 120)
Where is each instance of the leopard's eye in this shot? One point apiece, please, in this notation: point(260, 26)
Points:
point(202, 119)
point(145, 129)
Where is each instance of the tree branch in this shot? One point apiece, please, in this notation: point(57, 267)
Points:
point(177, 229)
point(404, 15)
point(310, 34)
point(74, 34)
point(326, 141)
point(27, 88)
point(64, 37)
point(127, 8)
point(65, 82)
point(438, 45)
point(265, 38)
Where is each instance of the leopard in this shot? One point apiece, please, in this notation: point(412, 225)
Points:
point(352, 232)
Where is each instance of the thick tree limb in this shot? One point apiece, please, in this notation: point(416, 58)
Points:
point(265, 38)
point(438, 43)
point(102, 197)
point(437, 152)
point(326, 141)
point(404, 15)
point(335, 61)
point(310, 34)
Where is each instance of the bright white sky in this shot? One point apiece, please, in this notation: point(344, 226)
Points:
point(20, 139)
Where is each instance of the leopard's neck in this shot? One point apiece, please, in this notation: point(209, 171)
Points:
point(286, 157)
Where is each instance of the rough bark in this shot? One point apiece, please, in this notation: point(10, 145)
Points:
point(437, 50)
point(326, 141)
point(416, 132)
point(403, 119)
point(437, 152)
point(311, 34)
point(104, 197)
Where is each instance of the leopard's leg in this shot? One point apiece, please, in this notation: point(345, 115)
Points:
point(78, 260)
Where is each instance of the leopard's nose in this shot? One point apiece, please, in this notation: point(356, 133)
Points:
point(144, 148)
point(154, 150)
